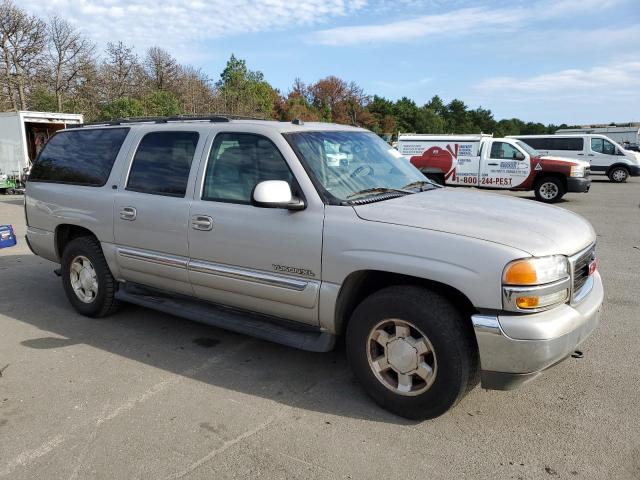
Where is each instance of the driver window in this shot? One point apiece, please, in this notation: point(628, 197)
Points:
point(237, 163)
point(503, 151)
point(608, 148)
point(600, 145)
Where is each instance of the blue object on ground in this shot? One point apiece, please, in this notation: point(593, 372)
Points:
point(7, 236)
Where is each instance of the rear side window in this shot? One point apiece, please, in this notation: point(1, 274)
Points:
point(556, 143)
point(80, 157)
point(162, 163)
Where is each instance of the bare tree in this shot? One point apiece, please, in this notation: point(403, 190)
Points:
point(69, 54)
point(194, 91)
point(120, 72)
point(22, 40)
point(161, 68)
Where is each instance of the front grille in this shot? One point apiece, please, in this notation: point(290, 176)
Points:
point(580, 269)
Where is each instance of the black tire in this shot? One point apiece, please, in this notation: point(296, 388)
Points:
point(618, 174)
point(104, 302)
point(549, 189)
point(449, 333)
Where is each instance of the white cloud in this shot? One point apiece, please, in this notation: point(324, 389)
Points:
point(178, 24)
point(604, 80)
point(464, 21)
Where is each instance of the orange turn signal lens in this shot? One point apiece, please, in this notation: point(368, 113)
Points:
point(527, 302)
point(521, 273)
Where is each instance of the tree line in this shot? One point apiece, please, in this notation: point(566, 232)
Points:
point(49, 65)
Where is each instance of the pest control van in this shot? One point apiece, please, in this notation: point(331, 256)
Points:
point(24, 134)
point(494, 163)
point(605, 156)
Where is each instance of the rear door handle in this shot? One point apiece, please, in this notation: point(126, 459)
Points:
point(591, 155)
point(128, 213)
point(202, 222)
point(581, 154)
point(494, 164)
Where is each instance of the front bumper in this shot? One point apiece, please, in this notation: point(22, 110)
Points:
point(575, 184)
point(634, 170)
point(517, 348)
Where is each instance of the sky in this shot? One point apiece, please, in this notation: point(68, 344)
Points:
point(550, 61)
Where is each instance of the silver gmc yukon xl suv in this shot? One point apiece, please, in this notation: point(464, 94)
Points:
point(300, 233)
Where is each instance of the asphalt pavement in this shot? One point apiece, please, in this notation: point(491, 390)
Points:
point(146, 395)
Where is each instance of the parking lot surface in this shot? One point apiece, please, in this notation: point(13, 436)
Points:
point(142, 394)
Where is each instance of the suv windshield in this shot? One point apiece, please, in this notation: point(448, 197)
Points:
point(352, 165)
point(527, 148)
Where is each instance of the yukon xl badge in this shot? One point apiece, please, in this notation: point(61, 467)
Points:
point(295, 270)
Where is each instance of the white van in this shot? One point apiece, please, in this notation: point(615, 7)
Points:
point(605, 156)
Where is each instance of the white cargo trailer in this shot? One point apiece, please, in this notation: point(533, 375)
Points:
point(23, 134)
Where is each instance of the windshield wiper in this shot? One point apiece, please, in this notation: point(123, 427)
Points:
point(420, 183)
point(375, 190)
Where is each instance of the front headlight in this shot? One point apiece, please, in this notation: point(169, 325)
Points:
point(577, 171)
point(535, 284)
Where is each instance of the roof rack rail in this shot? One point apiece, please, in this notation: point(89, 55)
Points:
point(177, 118)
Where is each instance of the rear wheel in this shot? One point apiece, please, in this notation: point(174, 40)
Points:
point(618, 174)
point(412, 351)
point(86, 278)
point(549, 189)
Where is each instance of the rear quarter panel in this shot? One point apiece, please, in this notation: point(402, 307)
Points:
point(49, 205)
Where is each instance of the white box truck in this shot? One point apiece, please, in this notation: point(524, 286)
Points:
point(22, 136)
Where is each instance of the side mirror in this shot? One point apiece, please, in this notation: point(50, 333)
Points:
point(276, 194)
point(518, 156)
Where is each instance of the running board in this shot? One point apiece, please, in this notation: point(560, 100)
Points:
point(247, 323)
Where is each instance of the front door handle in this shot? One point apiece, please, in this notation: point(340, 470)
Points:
point(591, 155)
point(128, 213)
point(202, 222)
point(494, 164)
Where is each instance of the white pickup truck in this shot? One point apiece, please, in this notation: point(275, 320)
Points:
point(494, 163)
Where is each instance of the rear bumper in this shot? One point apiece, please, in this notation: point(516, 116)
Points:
point(578, 184)
point(42, 243)
point(517, 348)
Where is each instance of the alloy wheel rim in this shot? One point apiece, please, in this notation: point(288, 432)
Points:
point(548, 190)
point(84, 279)
point(401, 357)
point(619, 175)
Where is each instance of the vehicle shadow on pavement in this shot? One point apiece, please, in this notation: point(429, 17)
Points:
point(19, 201)
point(322, 382)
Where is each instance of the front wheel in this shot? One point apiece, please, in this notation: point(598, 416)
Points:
point(618, 174)
point(549, 189)
point(86, 278)
point(412, 350)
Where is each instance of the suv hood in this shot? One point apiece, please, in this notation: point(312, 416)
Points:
point(530, 226)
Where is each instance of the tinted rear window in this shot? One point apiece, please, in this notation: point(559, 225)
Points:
point(81, 157)
point(162, 163)
point(555, 143)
